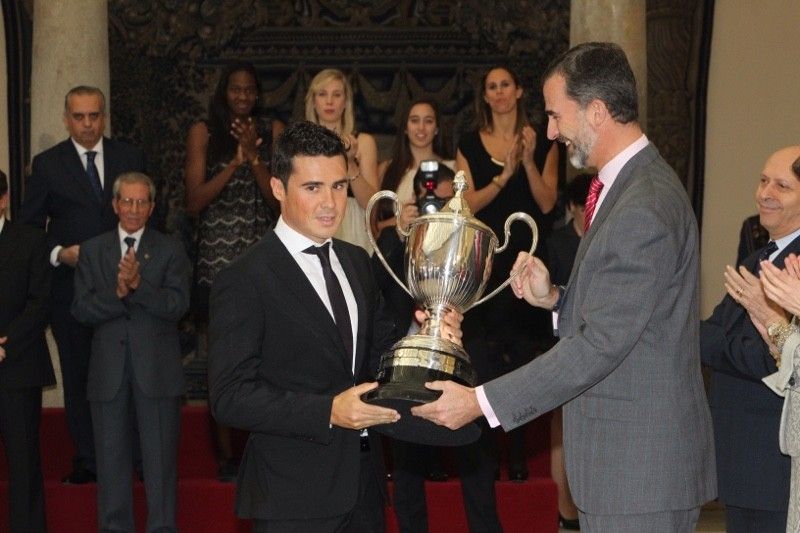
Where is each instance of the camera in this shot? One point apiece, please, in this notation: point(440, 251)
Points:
point(428, 178)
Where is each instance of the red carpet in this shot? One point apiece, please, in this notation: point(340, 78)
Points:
point(206, 505)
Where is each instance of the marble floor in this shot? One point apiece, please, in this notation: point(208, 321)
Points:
point(712, 520)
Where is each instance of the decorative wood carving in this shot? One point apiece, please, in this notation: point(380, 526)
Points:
point(166, 55)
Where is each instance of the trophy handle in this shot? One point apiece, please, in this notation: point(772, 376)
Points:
point(377, 197)
point(513, 217)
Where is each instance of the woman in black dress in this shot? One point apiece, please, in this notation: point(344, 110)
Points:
point(508, 168)
point(227, 188)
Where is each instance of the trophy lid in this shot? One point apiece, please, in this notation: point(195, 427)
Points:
point(457, 204)
point(456, 209)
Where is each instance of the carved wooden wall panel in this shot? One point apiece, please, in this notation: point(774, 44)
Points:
point(166, 55)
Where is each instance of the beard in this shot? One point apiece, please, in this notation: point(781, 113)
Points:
point(582, 145)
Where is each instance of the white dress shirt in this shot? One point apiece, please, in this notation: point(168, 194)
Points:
point(295, 243)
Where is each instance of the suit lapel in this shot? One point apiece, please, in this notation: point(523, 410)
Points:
point(113, 255)
point(144, 253)
point(623, 181)
point(354, 279)
point(73, 166)
point(289, 276)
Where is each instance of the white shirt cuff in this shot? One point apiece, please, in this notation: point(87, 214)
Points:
point(54, 256)
point(487, 410)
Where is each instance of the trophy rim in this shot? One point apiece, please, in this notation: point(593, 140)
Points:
point(451, 217)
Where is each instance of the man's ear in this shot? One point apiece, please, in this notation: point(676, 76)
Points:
point(278, 190)
point(597, 112)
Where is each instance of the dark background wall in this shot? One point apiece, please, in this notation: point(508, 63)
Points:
point(166, 57)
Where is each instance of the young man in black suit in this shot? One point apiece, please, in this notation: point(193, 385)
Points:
point(24, 363)
point(69, 192)
point(295, 334)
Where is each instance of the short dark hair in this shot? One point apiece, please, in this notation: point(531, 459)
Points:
point(578, 189)
point(304, 138)
point(3, 183)
point(599, 71)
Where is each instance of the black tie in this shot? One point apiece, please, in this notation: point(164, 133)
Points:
point(340, 313)
point(94, 176)
point(130, 241)
point(764, 254)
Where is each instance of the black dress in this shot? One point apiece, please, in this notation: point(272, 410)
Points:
point(513, 329)
point(237, 218)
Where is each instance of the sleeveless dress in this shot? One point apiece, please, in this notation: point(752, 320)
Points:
point(510, 325)
point(238, 217)
point(354, 226)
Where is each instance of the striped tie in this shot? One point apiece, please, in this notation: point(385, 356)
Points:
point(591, 201)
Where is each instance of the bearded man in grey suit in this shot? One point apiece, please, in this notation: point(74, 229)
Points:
point(132, 287)
point(637, 429)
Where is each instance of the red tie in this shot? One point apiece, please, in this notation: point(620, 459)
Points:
point(591, 201)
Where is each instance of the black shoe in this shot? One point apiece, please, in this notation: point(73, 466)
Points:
point(568, 523)
point(79, 476)
point(517, 474)
point(228, 471)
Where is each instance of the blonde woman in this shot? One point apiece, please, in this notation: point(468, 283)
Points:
point(329, 102)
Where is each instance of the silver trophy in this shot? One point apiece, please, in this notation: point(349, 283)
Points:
point(448, 259)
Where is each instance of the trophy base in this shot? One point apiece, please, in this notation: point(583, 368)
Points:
point(419, 430)
point(406, 389)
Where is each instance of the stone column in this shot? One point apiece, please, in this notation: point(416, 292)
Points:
point(70, 47)
point(619, 21)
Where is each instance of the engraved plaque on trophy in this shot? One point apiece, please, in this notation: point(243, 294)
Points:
point(448, 259)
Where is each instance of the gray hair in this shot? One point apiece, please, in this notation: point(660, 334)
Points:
point(134, 177)
point(85, 90)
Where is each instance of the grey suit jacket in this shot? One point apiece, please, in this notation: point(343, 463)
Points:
point(637, 428)
point(145, 321)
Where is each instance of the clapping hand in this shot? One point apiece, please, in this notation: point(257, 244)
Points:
point(747, 290)
point(783, 286)
point(128, 277)
point(528, 135)
point(244, 131)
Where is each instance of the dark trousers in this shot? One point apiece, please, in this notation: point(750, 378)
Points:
point(743, 520)
point(476, 468)
point(159, 424)
point(20, 413)
point(366, 517)
point(74, 341)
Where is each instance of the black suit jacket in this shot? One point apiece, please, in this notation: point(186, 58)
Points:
point(751, 470)
point(58, 189)
point(276, 361)
point(25, 293)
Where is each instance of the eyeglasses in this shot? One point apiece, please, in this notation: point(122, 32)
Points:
point(130, 202)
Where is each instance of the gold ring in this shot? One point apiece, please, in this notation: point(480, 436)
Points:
point(739, 291)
